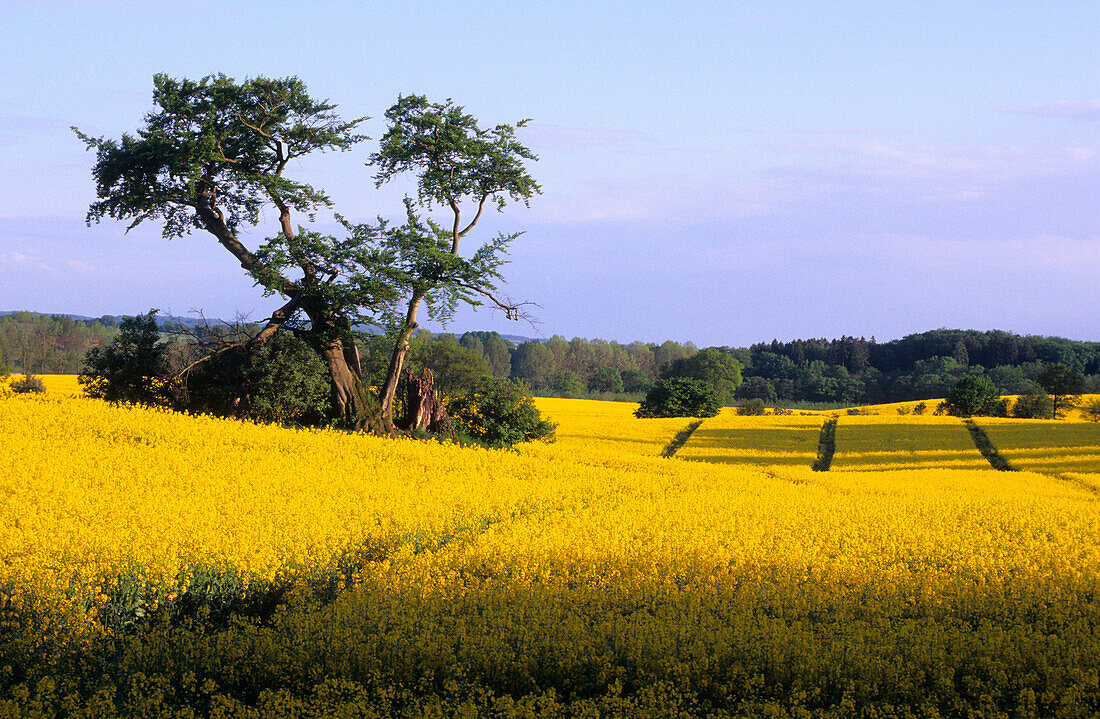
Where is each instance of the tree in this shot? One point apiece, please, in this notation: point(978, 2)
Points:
point(568, 384)
point(1063, 384)
point(606, 379)
point(133, 368)
point(1033, 405)
point(457, 164)
point(713, 366)
point(973, 394)
point(533, 363)
point(635, 380)
point(456, 369)
point(680, 397)
point(212, 157)
point(501, 413)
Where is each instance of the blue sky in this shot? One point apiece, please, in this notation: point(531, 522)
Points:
point(720, 172)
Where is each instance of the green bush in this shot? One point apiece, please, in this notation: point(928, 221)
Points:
point(752, 408)
point(133, 368)
point(27, 385)
point(974, 394)
point(680, 397)
point(288, 382)
point(500, 413)
point(1036, 405)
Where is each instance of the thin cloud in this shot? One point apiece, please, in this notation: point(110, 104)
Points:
point(1087, 110)
point(560, 138)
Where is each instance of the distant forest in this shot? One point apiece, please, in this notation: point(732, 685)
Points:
point(841, 371)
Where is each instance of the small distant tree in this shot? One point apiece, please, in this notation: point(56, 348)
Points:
point(606, 379)
point(1092, 410)
point(133, 368)
point(1063, 384)
point(752, 408)
point(973, 394)
point(501, 413)
point(680, 397)
point(1034, 405)
point(533, 363)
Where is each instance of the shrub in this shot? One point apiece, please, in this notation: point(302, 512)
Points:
point(28, 384)
point(501, 413)
point(288, 382)
point(133, 368)
point(752, 408)
point(1036, 405)
point(1092, 410)
point(680, 397)
point(920, 408)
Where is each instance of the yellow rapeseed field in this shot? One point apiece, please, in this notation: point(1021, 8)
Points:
point(784, 440)
point(156, 564)
point(1055, 446)
point(885, 442)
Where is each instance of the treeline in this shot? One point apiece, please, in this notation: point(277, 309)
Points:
point(555, 367)
point(915, 367)
point(848, 370)
point(32, 343)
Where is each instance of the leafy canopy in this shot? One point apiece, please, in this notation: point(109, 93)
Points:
point(680, 397)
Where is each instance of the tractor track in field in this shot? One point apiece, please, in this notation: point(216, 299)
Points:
point(680, 439)
point(826, 446)
point(981, 440)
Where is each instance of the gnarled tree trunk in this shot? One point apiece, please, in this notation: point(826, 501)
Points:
point(351, 401)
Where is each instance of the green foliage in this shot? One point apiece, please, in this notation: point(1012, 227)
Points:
point(606, 379)
point(635, 380)
point(1034, 405)
point(133, 368)
point(28, 384)
point(501, 413)
point(680, 397)
point(568, 384)
point(717, 368)
point(752, 408)
point(1063, 384)
point(533, 363)
point(456, 369)
point(3, 366)
point(288, 382)
point(974, 394)
point(1092, 410)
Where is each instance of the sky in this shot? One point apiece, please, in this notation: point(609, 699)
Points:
point(715, 172)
